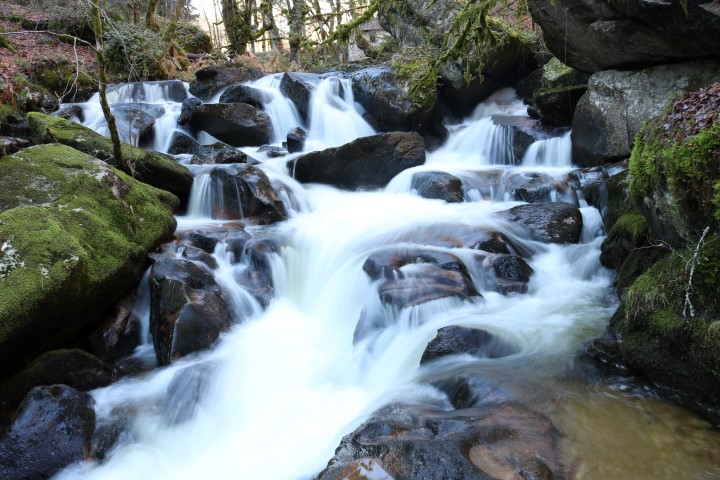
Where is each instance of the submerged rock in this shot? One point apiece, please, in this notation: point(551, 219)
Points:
point(411, 442)
point(153, 168)
point(296, 140)
point(367, 162)
point(52, 429)
point(186, 391)
point(75, 234)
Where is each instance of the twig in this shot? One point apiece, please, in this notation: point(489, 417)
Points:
point(693, 263)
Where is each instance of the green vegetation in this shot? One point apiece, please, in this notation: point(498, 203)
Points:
point(79, 231)
point(135, 52)
point(412, 65)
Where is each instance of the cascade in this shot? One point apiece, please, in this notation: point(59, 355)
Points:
point(284, 385)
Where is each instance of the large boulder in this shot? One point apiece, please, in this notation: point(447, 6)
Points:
point(386, 100)
point(237, 124)
point(188, 310)
point(210, 80)
point(554, 222)
point(74, 237)
point(412, 442)
point(244, 191)
point(367, 162)
point(52, 429)
point(616, 105)
point(153, 168)
point(244, 94)
point(593, 36)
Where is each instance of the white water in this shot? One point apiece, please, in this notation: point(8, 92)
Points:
point(288, 382)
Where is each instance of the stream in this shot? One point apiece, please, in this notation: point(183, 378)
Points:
point(283, 387)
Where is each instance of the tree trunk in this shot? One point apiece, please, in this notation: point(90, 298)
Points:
point(150, 15)
point(297, 16)
point(169, 34)
point(231, 21)
point(109, 117)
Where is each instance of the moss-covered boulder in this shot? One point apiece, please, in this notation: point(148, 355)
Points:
point(667, 325)
point(152, 168)
point(74, 237)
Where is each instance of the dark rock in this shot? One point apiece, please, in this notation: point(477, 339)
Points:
point(244, 94)
point(108, 436)
point(555, 222)
point(455, 340)
point(367, 162)
point(426, 283)
point(298, 91)
point(273, 151)
point(117, 334)
point(39, 99)
point(188, 311)
point(412, 442)
point(52, 429)
point(258, 279)
point(210, 80)
point(231, 234)
point(237, 124)
point(556, 106)
point(70, 111)
point(388, 263)
point(386, 100)
point(473, 391)
point(296, 140)
point(617, 104)
point(182, 144)
point(135, 121)
point(75, 368)
point(512, 274)
point(532, 187)
point(186, 391)
point(136, 92)
point(10, 145)
point(198, 255)
point(188, 105)
point(610, 196)
point(438, 185)
point(593, 36)
point(244, 191)
point(218, 153)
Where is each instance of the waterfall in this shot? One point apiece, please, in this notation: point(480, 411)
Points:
point(285, 384)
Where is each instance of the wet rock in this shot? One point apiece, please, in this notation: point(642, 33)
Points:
point(186, 391)
point(455, 340)
point(469, 391)
point(135, 121)
point(210, 80)
point(368, 162)
point(218, 153)
point(388, 263)
point(273, 151)
point(108, 436)
point(298, 91)
point(198, 255)
point(182, 144)
point(512, 274)
point(188, 310)
point(246, 192)
point(386, 100)
point(363, 469)
point(556, 106)
point(74, 367)
point(244, 94)
point(10, 145)
point(237, 124)
point(258, 279)
point(232, 234)
point(438, 185)
point(411, 442)
point(611, 195)
point(593, 36)
point(618, 103)
point(117, 334)
point(70, 111)
point(296, 140)
point(188, 105)
point(532, 187)
point(52, 429)
point(555, 222)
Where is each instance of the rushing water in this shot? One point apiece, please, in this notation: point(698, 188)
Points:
point(284, 386)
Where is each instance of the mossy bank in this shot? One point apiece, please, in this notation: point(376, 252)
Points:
point(74, 236)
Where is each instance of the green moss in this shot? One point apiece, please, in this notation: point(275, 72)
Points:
point(193, 39)
point(568, 89)
point(554, 70)
point(412, 66)
point(135, 53)
point(82, 241)
point(153, 168)
point(632, 226)
point(660, 287)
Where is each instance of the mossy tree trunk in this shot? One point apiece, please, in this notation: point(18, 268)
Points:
point(100, 54)
point(238, 24)
point(169, 34)
point(150, 15)
point(296, 21)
